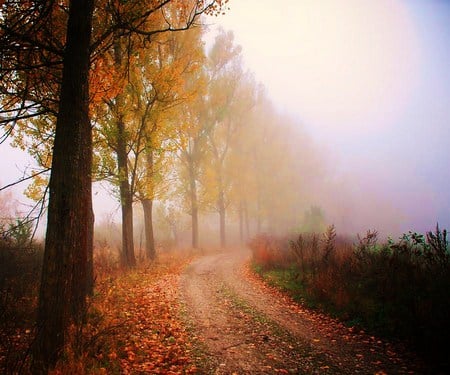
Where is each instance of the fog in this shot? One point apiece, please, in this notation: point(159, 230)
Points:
point(359, 97)
point(369, 81)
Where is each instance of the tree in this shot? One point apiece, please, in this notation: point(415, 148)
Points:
point(69, 236)
point(31, 39)
point(177, 57)
point(226, 107)
point(190, 142)
point(120, 136)
point(314, 220)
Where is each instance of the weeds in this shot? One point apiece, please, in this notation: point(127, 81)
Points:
point(397, 289)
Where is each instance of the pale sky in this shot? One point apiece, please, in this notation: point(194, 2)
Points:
point(370, 81)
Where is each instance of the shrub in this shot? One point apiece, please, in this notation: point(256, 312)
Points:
point(270, 252)
point(399, 289)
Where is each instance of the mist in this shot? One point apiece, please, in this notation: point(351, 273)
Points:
point(368, 82)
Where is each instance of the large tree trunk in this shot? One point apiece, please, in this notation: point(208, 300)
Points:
point(147, 205)
point(68, 244)
point(194, 207)
point(126, 198)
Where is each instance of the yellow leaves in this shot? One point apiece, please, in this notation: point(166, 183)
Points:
point(35, 190)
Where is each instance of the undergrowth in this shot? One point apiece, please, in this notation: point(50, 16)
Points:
point(132, 323)
point(397, 289)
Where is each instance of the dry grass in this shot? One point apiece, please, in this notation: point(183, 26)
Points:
point(396, 289)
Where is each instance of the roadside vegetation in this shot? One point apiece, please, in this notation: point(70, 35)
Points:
point(396, 289)
point(132, 322)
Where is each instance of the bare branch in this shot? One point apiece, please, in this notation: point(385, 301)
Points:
point(24, 179)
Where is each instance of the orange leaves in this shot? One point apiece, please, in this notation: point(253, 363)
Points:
point(150, 337)
point(105, 82)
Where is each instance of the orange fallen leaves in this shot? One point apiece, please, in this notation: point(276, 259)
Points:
point(139, 328)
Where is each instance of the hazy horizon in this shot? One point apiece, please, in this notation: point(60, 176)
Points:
point(369, 81)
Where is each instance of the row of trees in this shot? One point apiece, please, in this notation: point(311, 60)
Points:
point(128, 92)
point(52, 56)
point(197, 131)
point(186, 124)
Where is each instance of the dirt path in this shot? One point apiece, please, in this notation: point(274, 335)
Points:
point(243, 328)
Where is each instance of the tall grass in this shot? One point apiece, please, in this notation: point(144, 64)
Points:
point(399, 289)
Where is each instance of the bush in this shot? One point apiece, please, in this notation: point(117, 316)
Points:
point(270, 252)
point(396, 289)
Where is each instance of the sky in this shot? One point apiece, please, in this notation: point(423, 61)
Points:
point(370, 81)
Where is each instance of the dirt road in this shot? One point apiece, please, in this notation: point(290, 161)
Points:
point(242, 327)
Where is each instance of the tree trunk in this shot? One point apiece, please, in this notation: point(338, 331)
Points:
point(147, 202)
point(221, 207)
point(258, 212)
point(194, 207)
point(90, 254)
point(147, 205)
point(241, 221)
point(247, 222)
point(68, 243)
point(174, 228)
point(126, 198)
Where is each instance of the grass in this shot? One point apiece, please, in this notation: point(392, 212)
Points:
point(286, 279)
point(397, 289)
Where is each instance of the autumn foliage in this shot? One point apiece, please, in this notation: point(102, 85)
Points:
point(268, 251)
point(133, 325)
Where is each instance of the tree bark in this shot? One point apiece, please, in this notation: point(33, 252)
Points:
point(68, 244)
point(147, 205)
point(126, 198)
point(147, 202)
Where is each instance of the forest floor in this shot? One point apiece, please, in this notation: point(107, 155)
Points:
point(239, 325)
